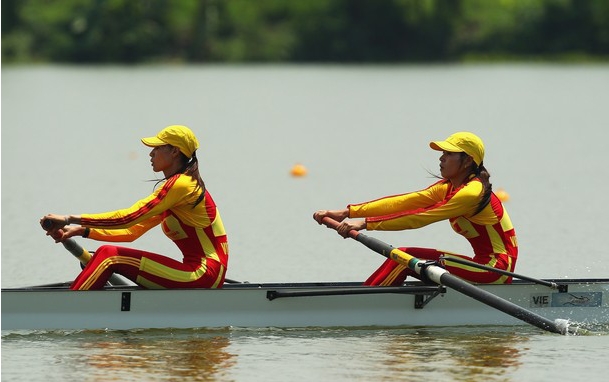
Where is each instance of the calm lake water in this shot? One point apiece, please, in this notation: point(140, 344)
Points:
point(70, 144)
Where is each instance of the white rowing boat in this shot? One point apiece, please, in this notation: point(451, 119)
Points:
point(445, 300)
point(343, 304)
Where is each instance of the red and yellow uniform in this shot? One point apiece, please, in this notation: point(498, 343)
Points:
point(198, 232)
point(490, 232)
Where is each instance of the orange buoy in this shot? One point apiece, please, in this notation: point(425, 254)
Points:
point(502, 195)
point(298, 170)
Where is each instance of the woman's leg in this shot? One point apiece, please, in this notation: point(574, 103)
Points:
point(148, 270)
point(477, 275)
point(390, 273)
point(394, 274)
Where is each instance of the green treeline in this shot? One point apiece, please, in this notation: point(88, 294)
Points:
point(302, 31)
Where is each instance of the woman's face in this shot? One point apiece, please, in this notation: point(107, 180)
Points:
point(162, 158)
point(452, 165)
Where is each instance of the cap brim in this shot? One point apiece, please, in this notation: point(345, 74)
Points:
point(153, 142)
point(444, 146)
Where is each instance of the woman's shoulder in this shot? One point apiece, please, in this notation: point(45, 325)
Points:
point(178, 181)
point(472, 188)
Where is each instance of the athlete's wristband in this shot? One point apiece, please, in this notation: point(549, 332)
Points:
point(86, 233)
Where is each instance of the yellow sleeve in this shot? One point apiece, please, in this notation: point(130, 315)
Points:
point(399, 203)
point(173, 193)
point(125, 234)
point(441, 205)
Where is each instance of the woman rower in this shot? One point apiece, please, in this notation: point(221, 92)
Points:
point(182, 206)
point(463, 196)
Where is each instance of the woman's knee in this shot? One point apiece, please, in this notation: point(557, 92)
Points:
point(106, 251)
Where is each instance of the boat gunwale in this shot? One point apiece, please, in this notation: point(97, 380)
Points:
point(64, 286)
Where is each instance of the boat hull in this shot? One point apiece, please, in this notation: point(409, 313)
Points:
point(295, 306)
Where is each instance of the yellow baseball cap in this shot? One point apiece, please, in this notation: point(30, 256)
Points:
point(462, 142)
point(176, 135)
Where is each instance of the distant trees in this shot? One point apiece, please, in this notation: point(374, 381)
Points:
point(341, 31)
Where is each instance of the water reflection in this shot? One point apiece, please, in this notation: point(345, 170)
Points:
point(464, 355)
point(162, 355)
point(456, 354)
point(492, 354)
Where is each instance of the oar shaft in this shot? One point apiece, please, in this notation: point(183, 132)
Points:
point(377, 245)
point(79, 252)
point(84, 256)
point(70, 244)
point(498, 303)
point(443, 277)
point(500, 271)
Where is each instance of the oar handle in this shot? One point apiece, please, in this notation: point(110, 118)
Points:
point(47, 224)
point(331, 223)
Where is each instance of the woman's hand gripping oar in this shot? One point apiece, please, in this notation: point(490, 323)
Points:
point(441, 276)
point(75, 249)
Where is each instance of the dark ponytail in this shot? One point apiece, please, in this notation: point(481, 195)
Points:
point(482, 173)
point(191, 167)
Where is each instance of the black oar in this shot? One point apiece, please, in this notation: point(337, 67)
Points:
point(441, 276)
point(459, 260)
point(82, 254)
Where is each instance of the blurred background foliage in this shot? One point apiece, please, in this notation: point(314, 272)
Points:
point(303, 31)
